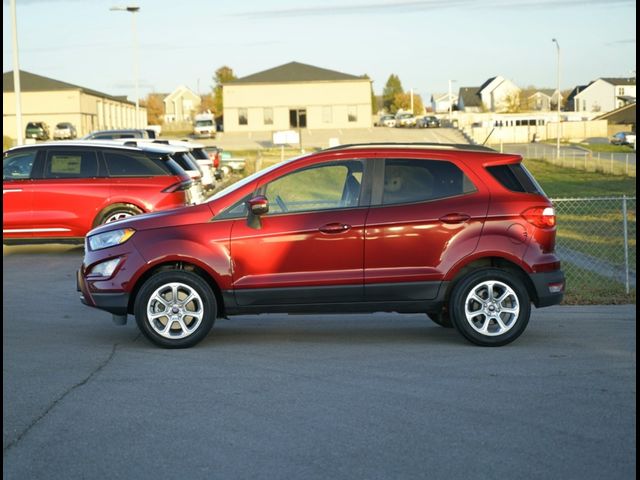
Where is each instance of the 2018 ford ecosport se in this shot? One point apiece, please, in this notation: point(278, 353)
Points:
point(459, 232)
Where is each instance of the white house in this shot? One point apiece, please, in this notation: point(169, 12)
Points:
point(604, 95)
point(497, 94)
point(180, 105)
point(440, 102)
point(543, 100)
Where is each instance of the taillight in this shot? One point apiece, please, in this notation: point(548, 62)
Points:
point(541, 217)
point(216, 160)
point(177, 187)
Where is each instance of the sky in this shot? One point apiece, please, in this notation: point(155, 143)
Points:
point(427, 43)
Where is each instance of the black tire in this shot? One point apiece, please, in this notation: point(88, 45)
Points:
point(504, 321)
point(172, 333)
point(116, 211)
point(441, 318)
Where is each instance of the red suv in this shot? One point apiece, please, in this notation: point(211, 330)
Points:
point(59, 191)
point(461, 233)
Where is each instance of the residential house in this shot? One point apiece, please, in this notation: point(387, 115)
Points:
point(543, 100)
point(440, 102)
point(497, 94)
point(181, 105)
point(603, 95)
point(52, 101)
point(295, 96)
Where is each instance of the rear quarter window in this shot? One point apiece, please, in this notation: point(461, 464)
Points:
point(515, 177)
point(130, 164)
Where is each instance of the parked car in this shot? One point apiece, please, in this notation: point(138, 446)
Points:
point(461, 233)
point(215, 154)
point(387, 121)
point(37, 130)
point(64, 131)
point(121, 133)
point(60, 191)
point(405, 120)
point(181, 155)
point(200, 155)
point(623, 138)
point(428, 121)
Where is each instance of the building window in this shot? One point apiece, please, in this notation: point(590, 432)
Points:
point(267, 115)
point(327, 114)
point(243, 116)
point(621, 91)
point(352, 113)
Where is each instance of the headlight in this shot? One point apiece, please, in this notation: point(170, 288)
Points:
point(105, 269)
point(110, 239)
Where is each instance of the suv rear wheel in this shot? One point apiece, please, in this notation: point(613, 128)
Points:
point(175, 309)
point(117, 212)
point(490, 307)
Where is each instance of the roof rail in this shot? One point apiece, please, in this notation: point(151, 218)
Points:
point(451, 146)
point(130, 143)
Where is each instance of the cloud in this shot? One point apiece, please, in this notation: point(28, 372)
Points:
point(391, 7)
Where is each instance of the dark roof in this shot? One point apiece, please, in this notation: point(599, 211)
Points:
point(622, 115)
point(620, 81)
point(470, 96)
point(30, 82)
point(576, 90)
point(294, 72)
point(487, 82)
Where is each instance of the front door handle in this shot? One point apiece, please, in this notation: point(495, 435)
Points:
point(455, 218)
point(334, 228)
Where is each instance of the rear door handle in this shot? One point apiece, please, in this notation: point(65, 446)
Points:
point(455, 218)
point(334, 228)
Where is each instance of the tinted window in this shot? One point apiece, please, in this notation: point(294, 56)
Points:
point(200, 154)
point(409, 181)
point(186, 161)
point(130, 164)
point(335, 185)
point(71, 164)
point(17, 166)
point(516, 178)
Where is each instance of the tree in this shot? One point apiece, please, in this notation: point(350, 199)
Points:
point(402, 101)
point(155, 108)
point(207, 103)
point(391, 89)
point(222, 75)
point(374, 100)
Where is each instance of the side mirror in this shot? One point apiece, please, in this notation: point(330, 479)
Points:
point(259, 205)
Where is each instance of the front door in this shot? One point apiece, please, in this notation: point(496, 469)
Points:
point(309, 247)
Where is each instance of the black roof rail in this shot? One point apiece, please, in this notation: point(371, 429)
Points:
point(453, 146)
point(130, 143)
point(156, 140)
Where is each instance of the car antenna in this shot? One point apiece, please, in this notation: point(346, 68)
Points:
point(485, 140)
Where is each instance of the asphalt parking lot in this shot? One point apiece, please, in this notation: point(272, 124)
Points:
point(379, 396)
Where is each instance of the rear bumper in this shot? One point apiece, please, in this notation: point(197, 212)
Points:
point(549, 287)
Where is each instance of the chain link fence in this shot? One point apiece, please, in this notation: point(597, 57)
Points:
point(596, 242)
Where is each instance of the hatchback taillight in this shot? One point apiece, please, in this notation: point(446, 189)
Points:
point(177, 187)
point(541, 217)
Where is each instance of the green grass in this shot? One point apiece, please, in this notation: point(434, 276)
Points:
point(606, 147)
point(587, 288)
point(568, 182)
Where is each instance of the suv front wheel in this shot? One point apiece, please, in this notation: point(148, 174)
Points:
point(175, 309)
point(490, 307)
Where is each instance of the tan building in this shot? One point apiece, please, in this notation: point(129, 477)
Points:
point(181, 105)
point(52, 101)
point(294, 96)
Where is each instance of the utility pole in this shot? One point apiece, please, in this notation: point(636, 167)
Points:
point(16, 75)
point(559, 101)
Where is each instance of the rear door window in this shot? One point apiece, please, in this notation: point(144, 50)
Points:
point(411, 181)
point(71, 164)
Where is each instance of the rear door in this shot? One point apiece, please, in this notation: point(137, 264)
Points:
point(425, 216)
point(69, 193)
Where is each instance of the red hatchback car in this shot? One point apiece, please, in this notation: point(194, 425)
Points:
point(459, 232)
point(59, 191)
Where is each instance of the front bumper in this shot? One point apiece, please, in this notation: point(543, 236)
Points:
point(116, 303)
point(549, 287)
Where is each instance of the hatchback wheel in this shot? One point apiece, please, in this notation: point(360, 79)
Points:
point(175, 309)
point(490, 307)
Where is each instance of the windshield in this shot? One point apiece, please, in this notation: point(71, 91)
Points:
point(204, 123)
point(246, 180)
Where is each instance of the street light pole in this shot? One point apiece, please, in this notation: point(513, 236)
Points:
point(16, 74)
point(133, 10)
point(559, 100)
